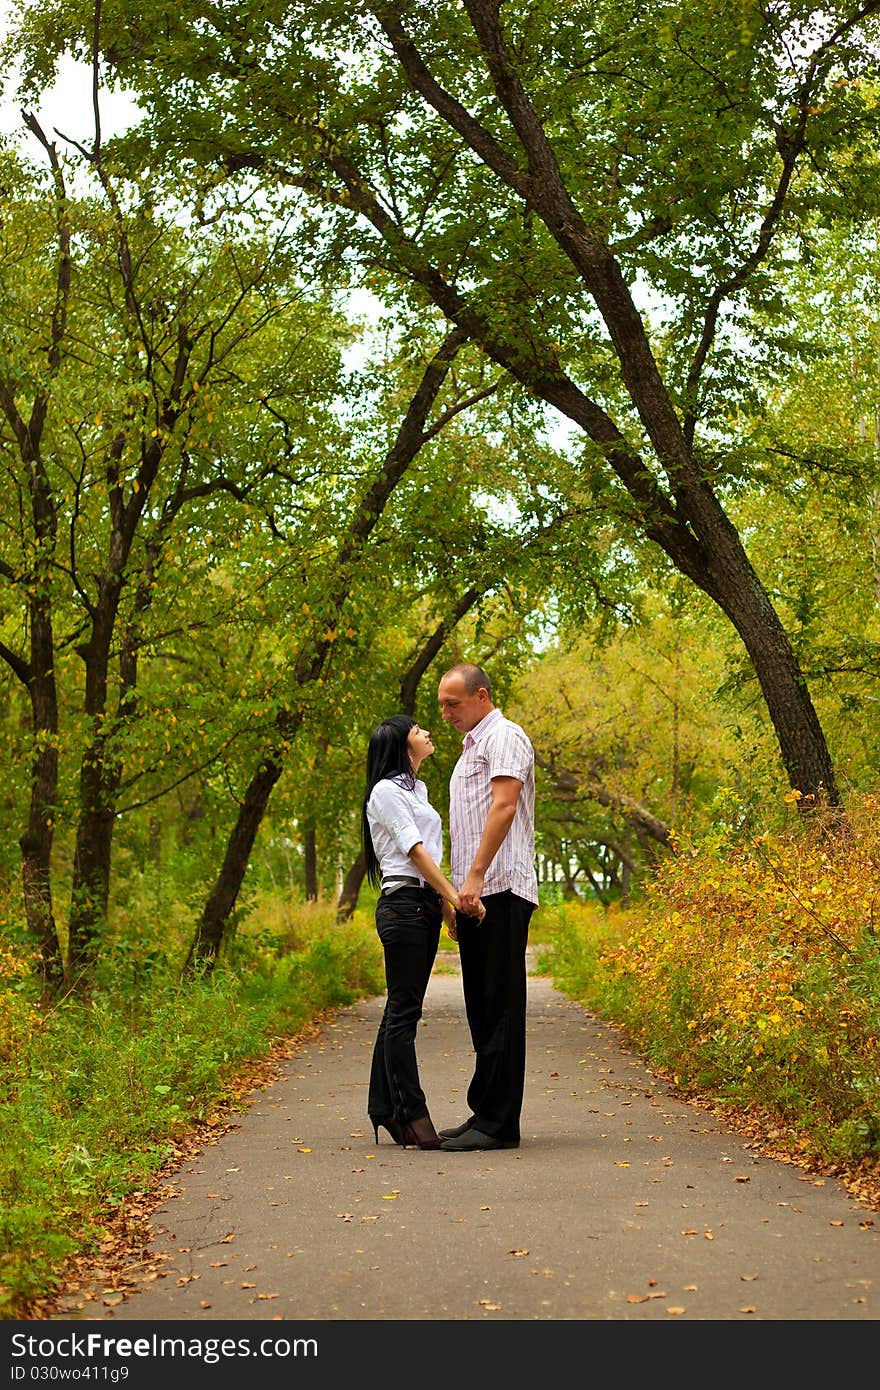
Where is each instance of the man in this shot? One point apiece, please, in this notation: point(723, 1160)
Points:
point(492, 858)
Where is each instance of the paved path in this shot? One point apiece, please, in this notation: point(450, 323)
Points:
point(622, 1202)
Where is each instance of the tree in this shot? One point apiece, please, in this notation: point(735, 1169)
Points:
point(117, 460)
point(331, 608)
point(545, 180)
point(633, 738)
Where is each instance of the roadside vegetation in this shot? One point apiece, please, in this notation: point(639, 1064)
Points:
point(749, 978)
point(100, 1092)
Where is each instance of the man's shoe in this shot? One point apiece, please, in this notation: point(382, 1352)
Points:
point(457, 1131)
point(472, 1139)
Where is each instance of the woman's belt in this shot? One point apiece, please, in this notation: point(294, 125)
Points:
point(391, 885)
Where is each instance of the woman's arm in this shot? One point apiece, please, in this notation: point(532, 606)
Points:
point(432, 874)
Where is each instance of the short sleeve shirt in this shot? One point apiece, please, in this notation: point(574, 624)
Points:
point(496, 747)
point(398, 819)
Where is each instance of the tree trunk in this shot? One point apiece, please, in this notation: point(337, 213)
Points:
point(310, 863)
point(90, 889)
point(36, 842)
point(207, 942)
point(351, 888)
point(100, 774)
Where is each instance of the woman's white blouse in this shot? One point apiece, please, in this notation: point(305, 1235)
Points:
point(398, 819)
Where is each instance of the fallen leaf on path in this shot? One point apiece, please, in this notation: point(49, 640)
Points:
point(517, 1252)
point(742, 1179)
point(304, 1151)
point(486, 1303)
point(247, 1284)
point(345, 1215)
point(267, 1295)
point(224, 1240)
point(690, 1288)
point(621, 1163)
point(218, 1264)
point(641, 1204)
point(637, 1298)
point(747, 1278)
point(750, 1309)
point(836, 1223)
point(203, 1303)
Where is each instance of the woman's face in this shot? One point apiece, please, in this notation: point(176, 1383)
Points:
point(419, 745)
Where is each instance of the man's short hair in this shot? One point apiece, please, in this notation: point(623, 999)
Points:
point(474, 677)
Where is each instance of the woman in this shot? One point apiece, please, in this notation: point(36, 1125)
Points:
point(403, 846)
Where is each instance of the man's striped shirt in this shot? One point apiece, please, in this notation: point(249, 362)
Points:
point(496, 747)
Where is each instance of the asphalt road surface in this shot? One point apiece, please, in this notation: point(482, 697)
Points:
point(622, 1203)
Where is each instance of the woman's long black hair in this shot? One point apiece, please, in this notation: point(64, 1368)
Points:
point(387, 756)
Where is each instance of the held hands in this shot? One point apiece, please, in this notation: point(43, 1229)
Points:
point(469, 896)
point(451, 908)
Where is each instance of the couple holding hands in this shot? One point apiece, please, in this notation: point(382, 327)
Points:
point(486, 907)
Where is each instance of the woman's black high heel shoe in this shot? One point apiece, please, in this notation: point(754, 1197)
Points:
point(421, 1133)
point(393, 1126)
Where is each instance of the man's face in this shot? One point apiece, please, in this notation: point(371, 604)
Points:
point(458, 707)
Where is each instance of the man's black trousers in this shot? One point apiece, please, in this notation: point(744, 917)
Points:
point(493, 970)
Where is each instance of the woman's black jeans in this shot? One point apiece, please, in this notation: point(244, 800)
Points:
point(408, 922)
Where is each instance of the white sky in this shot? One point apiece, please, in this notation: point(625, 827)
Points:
point(66, 107)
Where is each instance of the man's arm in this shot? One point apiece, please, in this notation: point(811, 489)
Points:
point(505, 795)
